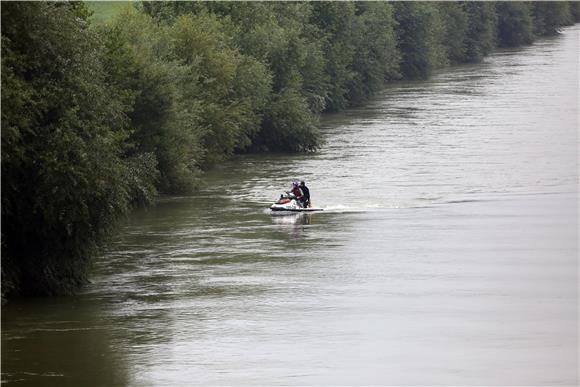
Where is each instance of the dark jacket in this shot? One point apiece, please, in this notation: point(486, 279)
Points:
point(305, 192)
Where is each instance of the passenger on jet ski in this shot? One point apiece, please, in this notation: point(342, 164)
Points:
point(305, 198)
point(296, 191)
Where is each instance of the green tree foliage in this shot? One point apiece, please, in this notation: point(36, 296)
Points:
point(335, 22)
point(376, 57)
point(574, 11)
point(279, 61)
point(232, 89)
point(158, 89)
point(548, 17)
point(288, 124)
point(421, 35)
point(63, 182)
point(514, 23)
point(480, 38)
point(455, 19)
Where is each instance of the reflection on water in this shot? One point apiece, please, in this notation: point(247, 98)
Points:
point(293, 223)
point(446, 254)
point(291, 218)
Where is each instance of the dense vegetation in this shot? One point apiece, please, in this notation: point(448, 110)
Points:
point(99, 118)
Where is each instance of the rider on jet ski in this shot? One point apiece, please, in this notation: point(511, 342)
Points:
point(302, 193)
point(305, 200)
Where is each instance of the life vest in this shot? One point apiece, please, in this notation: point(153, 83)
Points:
point(296, 192)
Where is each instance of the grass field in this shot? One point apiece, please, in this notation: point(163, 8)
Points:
point(105, 10)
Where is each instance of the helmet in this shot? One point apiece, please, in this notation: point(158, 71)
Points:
point(295, 184)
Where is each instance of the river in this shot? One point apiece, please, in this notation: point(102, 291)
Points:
point(447, 253)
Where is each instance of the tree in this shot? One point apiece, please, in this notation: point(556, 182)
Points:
point(514, 24)
point(63, 181)
point(279, 36)
point(376, 57)
point(455, 20)
point(233, 88)
point(335, 22)
point(164, 112)
point(420, 35)
point(549, 16)
point(288, 124)
point(574, 11)
point(480, 38)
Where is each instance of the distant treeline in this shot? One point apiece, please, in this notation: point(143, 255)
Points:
point(97, 119)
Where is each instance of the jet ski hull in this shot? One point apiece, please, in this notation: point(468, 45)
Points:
point(288, 203)
point(280, 209)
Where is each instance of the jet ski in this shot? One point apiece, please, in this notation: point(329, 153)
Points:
point(289, 202)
